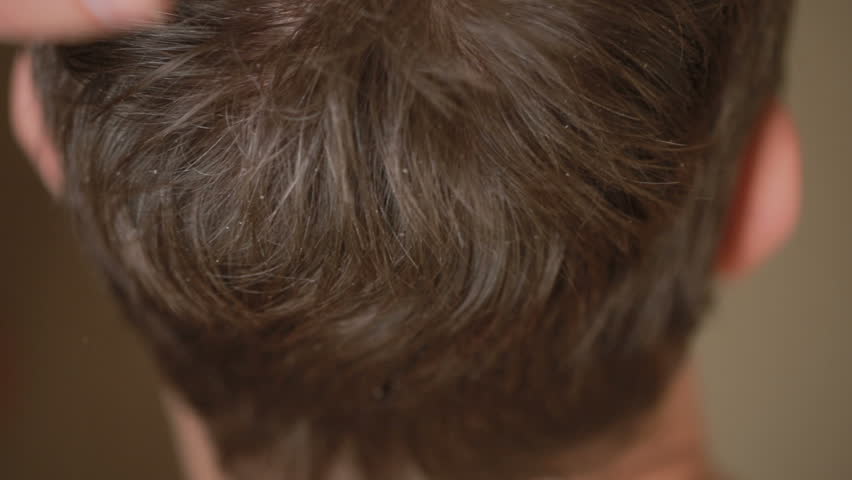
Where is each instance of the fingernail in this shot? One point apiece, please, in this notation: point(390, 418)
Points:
point(123, 13)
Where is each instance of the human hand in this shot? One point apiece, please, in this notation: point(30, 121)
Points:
point(26, 21)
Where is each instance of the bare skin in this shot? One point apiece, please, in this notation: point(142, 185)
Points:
point(672, 446)
point(40, 20)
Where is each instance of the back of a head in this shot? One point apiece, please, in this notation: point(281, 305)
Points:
point(452, 236)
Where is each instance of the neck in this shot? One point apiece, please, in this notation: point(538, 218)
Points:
point(671, 448)
point(195, 449)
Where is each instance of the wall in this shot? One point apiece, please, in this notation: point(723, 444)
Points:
point(777, 356)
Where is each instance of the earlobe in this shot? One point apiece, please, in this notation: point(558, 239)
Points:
point(768, 200)
point(29, 125)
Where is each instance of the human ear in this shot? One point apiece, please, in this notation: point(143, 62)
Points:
point(28, 124)
point(767, 202)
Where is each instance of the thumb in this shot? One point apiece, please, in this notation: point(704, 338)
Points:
point(56, 20)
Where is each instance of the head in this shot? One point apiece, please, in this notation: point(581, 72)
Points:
point(445, 239)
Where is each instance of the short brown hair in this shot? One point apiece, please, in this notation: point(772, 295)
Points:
point(454, 236)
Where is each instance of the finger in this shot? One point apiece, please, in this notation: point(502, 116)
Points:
point(43, 20)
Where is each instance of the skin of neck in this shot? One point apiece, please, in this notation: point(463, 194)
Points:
point(672, 447)
point(195, 450)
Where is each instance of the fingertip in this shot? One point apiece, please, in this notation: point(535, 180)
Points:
point(125, 13)
point(75, 20)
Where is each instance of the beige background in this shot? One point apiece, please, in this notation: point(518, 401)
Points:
point(778, 359)
point(79, 402)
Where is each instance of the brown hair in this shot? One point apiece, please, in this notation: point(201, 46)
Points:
point(453, 236)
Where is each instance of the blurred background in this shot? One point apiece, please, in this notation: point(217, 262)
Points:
point(77, 392)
